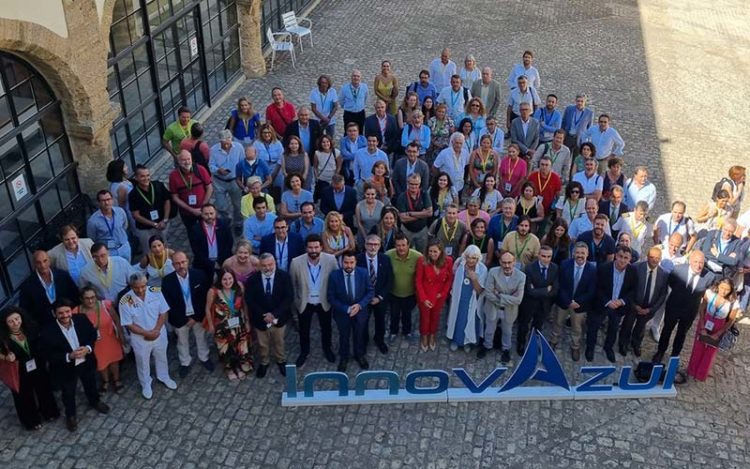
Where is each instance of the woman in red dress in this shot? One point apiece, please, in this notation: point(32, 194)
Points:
point(434, 279)
point(108, 346)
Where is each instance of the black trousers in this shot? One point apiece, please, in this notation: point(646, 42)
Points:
point(683, 320)
point(356, 117)
point(401, 309)
point(352, 329)
point(632, 329)
point(305, 322)
point(594, 322)
point(86, 373)
point(531, 313)
point(378, 312)
point(34, 400)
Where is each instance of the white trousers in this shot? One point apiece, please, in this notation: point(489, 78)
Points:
point(183, 343)
point(143, 350)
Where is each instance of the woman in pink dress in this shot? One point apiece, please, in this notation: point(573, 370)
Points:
point(108, 346)
point(717, 314)
point(512, 172)
point(243, 264)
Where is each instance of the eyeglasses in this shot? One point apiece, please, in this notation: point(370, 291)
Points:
point(575, 192)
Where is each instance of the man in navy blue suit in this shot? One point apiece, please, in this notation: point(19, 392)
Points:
point(349, 292)
point(384, 127)
point(574, 297)
point(283, 245)
point(380, 275)
point(211, 241)
point(340, 198)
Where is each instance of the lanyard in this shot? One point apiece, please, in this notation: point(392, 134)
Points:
point(412, 201)
point(449, 237)
point(512, 170)
point(186, 290)
point(24, 344)
point(539, 182)
point(388, 239)
point(503, 229)
point(49, 289)
point(111, 229)
point(484, 160)
point(457, 159)
point(189, 182)
point(523, 248)
point(268, 152)
point(246, 125)
point(314, 278)
point(323, 99)
point(467, 144)
point(106, 279)
point(280, 248)
point(481, 244)
point(577, 121)
point(229, 300)
point(524, 209)
point(149, 202)
point(98, 314)
point(572, 210)
point(211, 238)
point(454, 98)
point(719, 245)
point(635, 228)
point(543, 112)
point(710, 306)
point(355, 93)
point(160, 270)
point(677, 227)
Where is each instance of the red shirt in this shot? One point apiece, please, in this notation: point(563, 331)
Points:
point(280, 118)
point(548, 188)
point(191, 184)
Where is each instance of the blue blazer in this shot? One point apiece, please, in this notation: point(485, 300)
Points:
point(392, 134)
point(583, 124)
point(296, 246)
point(337, 295)
point(348, 206)
point(586, 291)
point(385, 274)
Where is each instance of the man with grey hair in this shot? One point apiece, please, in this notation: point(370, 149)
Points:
point(353, 97)
point(143, 311)
point(488, 90)
point(452, 160)
point(455, 96)
point(415, 211)
point(503, 294)
point(442, 69)
point(577, 119)
point(225, 156)
point(308, 130)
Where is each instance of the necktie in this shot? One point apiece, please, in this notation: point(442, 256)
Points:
point(544, 273)
point(690, 282)
point(577, 278)
point(268, 286)
point(373, 275)
point(649, 289)
point(350, 287)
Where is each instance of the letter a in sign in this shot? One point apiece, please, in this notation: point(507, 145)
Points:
point(528, 368)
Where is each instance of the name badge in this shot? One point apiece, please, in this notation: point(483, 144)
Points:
point(234, 322)
point(112, 244)
point(499, 246)
point(573, 132)
point(98, 335)
point(508, 187)
point(709, 325)
point(154, 214)
point(31, 365)
point(192, 199)
point(449, 250)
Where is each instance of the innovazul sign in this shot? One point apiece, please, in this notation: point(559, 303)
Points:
point(528, 369)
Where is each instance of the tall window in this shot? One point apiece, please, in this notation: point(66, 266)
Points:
point(37, 175)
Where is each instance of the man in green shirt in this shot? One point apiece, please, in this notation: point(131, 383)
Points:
point(403, 299)
point(177, 131)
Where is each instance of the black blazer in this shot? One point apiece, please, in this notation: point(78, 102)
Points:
point(392, 133)
point(659, 294)
point(295, 244)
point(315, 133)
point(604, 284)
point(33, 298)
point(348, 206)
point(199, 244)
point(385, 274)
point(55, 347)
point(537, 295)
point(682, 300)
point(279, 303)
point(605, 205)
point(172, 291)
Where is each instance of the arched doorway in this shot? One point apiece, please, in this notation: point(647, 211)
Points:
point(39, 188)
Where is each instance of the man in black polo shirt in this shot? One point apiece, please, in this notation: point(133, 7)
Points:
point(150, 203)
point(415, 210)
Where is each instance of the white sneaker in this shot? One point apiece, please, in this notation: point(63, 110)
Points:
point(169, 383)
point(453, 347)
point(147, 393)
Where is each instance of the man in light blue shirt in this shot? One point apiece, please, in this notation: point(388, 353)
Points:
point(259, 225)
point(423, 87)
point(308, 223)
point(324, 102)
point(365, 159)
point(442, 69)
point(639, 188)
point(109, 226)
point(352, 142)
point(523, 94)
point(525, 69)
point(577, 118)
point(455, 98)
point(353, 99)
point(416, 132)
point(606, 140)
point(225, 156)
point(549, 119)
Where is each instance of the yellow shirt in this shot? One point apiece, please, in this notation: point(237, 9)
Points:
point(246, 205)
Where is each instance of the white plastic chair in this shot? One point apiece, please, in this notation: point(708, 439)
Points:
point(283, 44)
point(292, 25)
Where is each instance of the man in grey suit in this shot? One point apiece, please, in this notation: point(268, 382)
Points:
point(542, 283)
point(650, 294)
point(310, 274)
point(488, 90)
point(524, 132)
point(405, 167)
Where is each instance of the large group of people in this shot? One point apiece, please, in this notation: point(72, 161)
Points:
point(428, 204)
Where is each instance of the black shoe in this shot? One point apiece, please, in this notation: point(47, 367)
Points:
point(623, 351)
point(362, 361)
point(575, 354)
point(520, 349)
point(589, 355)
point(208, 365)
point(282, 368)
point(329, 356)
point(637, 350)
point(184, 370)
point(382, 347)
point(505, 357)
point(301, 361)
point(101, 407)
point(71, 423)
point(658, 357)
point(610, 354)
point(482, 352)
point(342, 365)
point(261, 371)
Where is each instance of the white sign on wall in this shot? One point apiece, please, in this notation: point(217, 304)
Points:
point(20, 189)
point(193, 46)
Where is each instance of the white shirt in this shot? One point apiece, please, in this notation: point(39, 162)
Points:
point(454, 100)
point(668, 263)
point(186, 294)
point(531, 73)
point(582, 224)
point(590, 184)
point(607, 143)
point(667, 227)
point(72, 337)
point(618, 277)
point(744, 221)
point(447, 161)
point(314, 282)
point(143, 312)
point(440, 73)
point(517, 97)
point(639, 231)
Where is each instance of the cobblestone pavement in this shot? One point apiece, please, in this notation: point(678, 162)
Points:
point(652, 66)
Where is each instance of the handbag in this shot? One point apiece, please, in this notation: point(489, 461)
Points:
point(708, 340)
point(729, 339)
point(9, 375)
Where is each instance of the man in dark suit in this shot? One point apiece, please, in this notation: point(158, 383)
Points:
point(722, 249)
point(185, 292)
point(615, 291)
point(650, 294)
point(340, 198)
point(405, 167)
point(43, 287)
point(575, 297)
point(526, 138)
point(282, 245)
point(68, 344)
point(542, 284)
point(349, 292)
point(268, 295)
point(380, 275)
point(306, 129)
point(384, 127)
point(211, 241)
point(614, 207)
point(688, 283)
